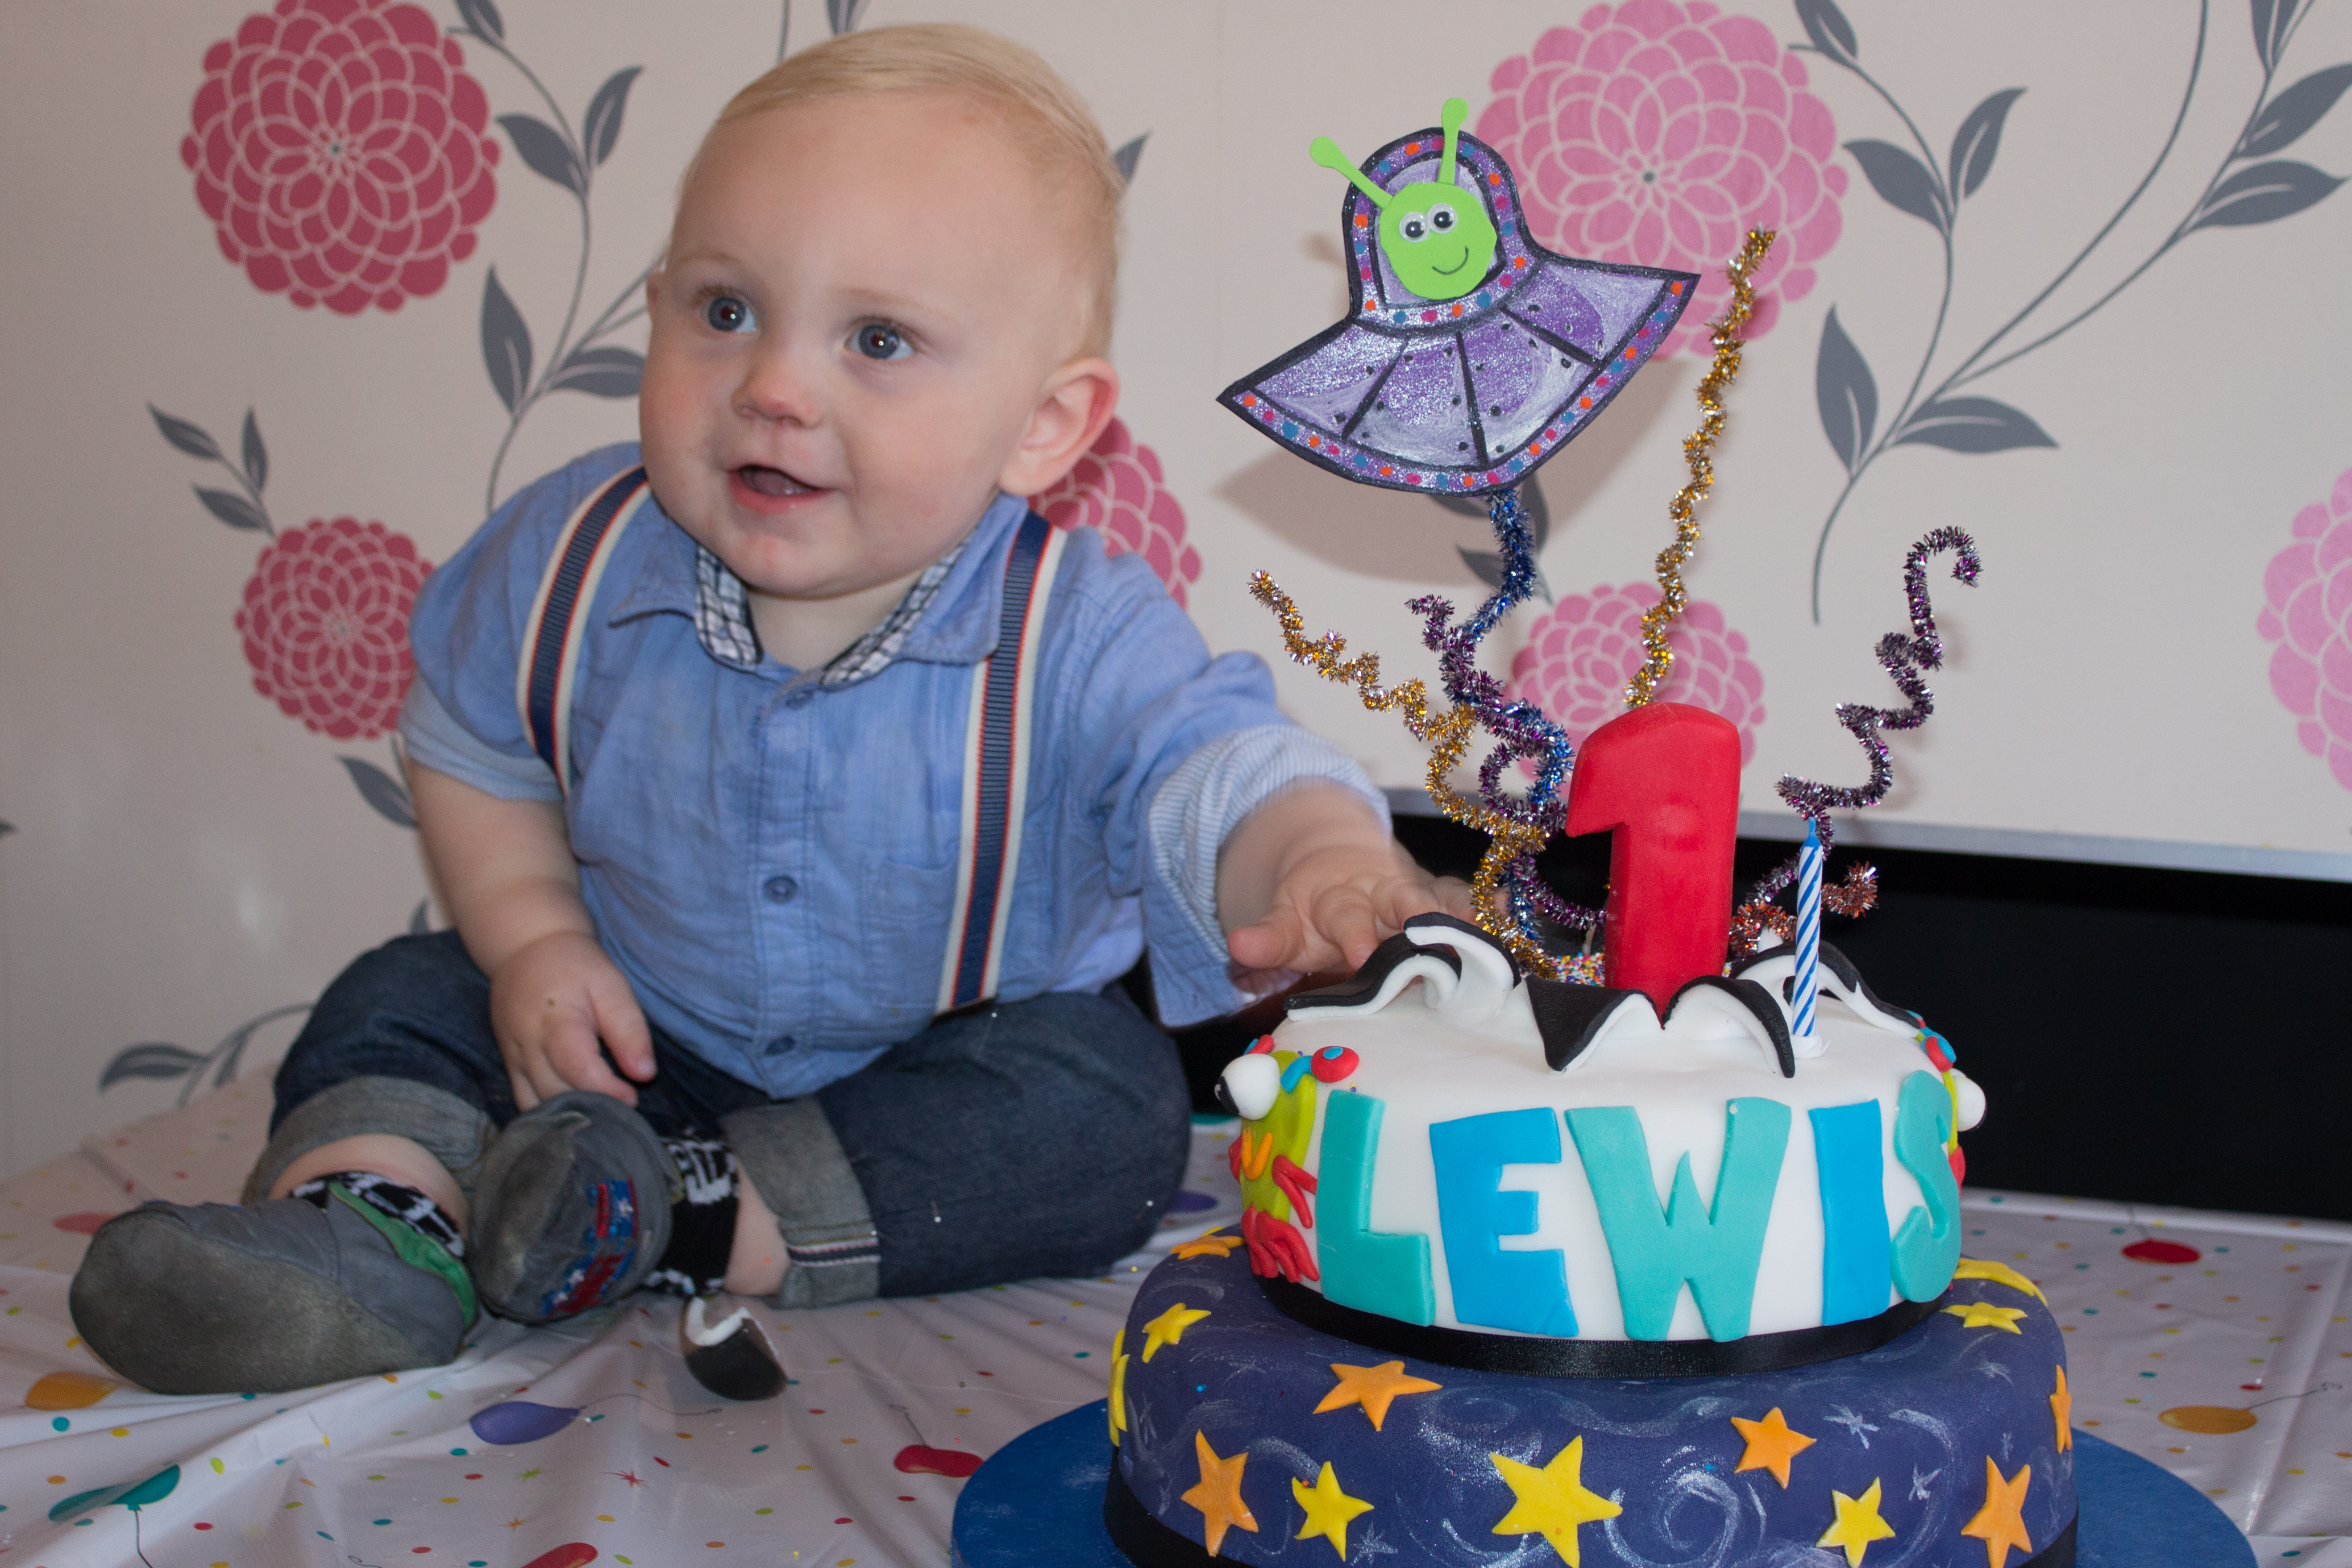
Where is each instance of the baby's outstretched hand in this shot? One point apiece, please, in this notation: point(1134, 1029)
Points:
point(1319, 882)
point(557, 1005)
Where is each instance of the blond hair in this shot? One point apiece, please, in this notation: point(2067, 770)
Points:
point(1048, 125)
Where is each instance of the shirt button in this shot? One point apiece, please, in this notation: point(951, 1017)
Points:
point(780, 889)
point(781, 1044)
point(801, 697)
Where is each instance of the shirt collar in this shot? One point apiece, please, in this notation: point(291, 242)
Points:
point(948, 615)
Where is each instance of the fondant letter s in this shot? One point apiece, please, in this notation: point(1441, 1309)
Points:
point(1927, 1244)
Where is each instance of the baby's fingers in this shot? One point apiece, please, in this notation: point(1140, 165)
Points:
point(574, 1058)
point(1275, 942)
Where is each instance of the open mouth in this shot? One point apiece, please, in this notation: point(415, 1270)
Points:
point(762, 480)
point(1459, 263)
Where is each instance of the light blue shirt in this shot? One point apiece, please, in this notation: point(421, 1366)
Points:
point(769, 854)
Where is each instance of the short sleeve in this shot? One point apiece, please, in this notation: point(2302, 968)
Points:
point(466, 631)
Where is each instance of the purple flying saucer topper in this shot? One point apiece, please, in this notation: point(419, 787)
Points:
point(1470, 353)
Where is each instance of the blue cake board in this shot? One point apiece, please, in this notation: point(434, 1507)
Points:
point(1037, 1503)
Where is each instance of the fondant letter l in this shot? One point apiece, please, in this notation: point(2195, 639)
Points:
point(1717, 1251)
point(1927, 1244)
point(1849, 1157)
point(1524, 1290)
point(1362, 1268)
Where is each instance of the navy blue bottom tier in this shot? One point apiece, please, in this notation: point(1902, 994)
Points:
point(1250, 1436)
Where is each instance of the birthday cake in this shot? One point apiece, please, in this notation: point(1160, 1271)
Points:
point(1640, 1258)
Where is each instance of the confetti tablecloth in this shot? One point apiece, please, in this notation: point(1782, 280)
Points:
point(2215, 1344)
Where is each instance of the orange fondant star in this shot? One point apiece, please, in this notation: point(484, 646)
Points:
point(1215, 1245)
point(1551, 1501)
point(2000, 1274)
point(1985, 1315)
point(2000, 1522)
point(1770, 1444)
point(1169, 1327)
point(1219, 1495)
point(2061, 1406)
point(1857, 1525)
point(1373, 1388)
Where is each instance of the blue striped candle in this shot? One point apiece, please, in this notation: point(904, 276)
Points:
point(1809, 927)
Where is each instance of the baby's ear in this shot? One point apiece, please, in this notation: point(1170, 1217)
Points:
point(1078, 401)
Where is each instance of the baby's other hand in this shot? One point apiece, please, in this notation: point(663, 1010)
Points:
point(1333, 905)
point(551, 1003)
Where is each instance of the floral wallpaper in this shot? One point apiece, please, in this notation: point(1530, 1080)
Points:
point(301, 291)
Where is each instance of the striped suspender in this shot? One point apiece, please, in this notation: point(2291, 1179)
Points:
point(997, 770)
point(552, 636)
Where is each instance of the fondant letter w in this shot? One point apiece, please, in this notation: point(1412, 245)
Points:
point(1655, 1252)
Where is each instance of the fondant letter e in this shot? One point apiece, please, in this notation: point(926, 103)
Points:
point(1524, 1290)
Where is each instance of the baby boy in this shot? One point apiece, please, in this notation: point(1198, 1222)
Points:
point(797, 798)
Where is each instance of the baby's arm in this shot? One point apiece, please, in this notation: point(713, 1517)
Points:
point(1311, 880)
point(509, 883)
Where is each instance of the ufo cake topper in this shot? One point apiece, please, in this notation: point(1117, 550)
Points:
point(1470, 353)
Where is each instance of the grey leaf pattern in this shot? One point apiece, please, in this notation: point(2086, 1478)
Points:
point(1901, 181)
point(2295, 112)
point(544, 148)
point(257, 456)
point(505, 343)
point(189, 438)
point(420, 922)
point(842, 15)
point(2265, 194)
point(382, 791)
point(232, 509)
point(149, 1059)
point(1846, 392)
point(1127, 158)
point(1971, 424)
point(1976, 141)
point(602, 373)
point(1831, 33)
point(600, 128)
point(2273, 19)
point(484, 18)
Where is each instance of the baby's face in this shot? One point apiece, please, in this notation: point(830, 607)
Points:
point(863, 303)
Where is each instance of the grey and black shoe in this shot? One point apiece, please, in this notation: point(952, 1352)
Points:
point(571, 1209)
point(216, 1299)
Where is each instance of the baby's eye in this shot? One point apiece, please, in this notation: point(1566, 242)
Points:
point(725, 313)
point(1413, 229)
point(881, 340)
point(1441, 218)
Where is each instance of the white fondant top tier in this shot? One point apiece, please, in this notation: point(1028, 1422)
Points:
point(1438, 1050)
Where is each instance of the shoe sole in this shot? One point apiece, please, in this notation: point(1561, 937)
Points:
point(178, 1314)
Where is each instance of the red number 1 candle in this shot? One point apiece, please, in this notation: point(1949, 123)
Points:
point(1663, 783)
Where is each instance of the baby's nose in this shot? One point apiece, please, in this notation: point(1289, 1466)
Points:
point(773, 389)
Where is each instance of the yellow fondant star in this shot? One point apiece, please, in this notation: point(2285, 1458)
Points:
point(1219, 1494)
point(1857, 1525)
point(2000, 1522)
point(1328, 1509)
point(1215, 1245)
point(2061, 1406)
point(1551, 1501)
point(1985, 1315)
point(1373, 1388)
point(1770, 1445)
point(2000, 1274)
point(1118, 1385)
point(1169, 1327)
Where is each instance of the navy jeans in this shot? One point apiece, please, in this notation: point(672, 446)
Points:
point(1040, 1137)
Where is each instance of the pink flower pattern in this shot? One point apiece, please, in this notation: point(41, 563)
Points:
point(1581, 652)
point(1118, 489)
point(2308, 613)
point(341, 152)
point(1660, 133)
point(325, 623)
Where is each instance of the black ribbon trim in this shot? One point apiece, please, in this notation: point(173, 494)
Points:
point(1148, 1544)
point(1535, 1357)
